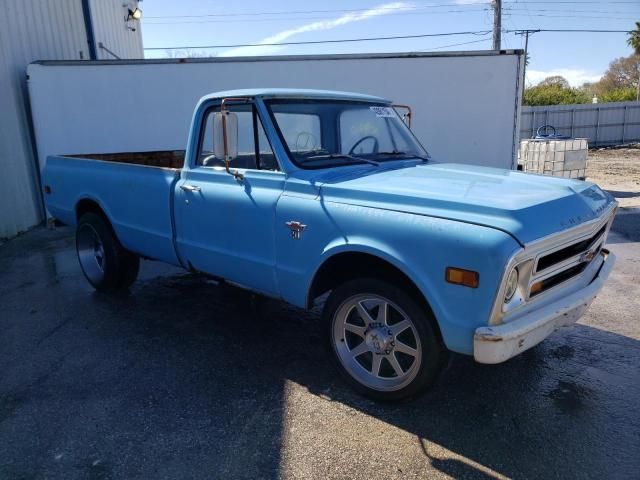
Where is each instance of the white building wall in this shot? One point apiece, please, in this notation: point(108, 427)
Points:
point(32, 30)
point(122, 38)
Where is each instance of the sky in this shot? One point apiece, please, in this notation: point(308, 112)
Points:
point(579, 57)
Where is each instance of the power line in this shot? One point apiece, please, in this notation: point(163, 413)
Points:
point(526, 9)
point(632, 2)
point(599, 17)
point(511, 9)
point(407, 7)
point(455, 44)
point(506, 12)
point(262, 20)
point(396, 37)
point(567, 30)
point(353, 10)
point(344, 40)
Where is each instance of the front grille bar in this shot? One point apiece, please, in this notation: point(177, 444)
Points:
point(566, 253)
point(557, 279)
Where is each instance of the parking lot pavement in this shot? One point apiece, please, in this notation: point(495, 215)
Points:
point(181, 378)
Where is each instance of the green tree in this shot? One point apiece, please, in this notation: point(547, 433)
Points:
point(622, 73)
point(556, 80)
point(634, 39)
point(626, 94)
point(554, 94)
point(634, 42)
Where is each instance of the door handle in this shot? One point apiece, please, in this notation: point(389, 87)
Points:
point(190, 188)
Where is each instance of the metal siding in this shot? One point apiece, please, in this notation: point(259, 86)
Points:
point(111, 30)
point(602, 123)
point(32, 30)
point(29, 30)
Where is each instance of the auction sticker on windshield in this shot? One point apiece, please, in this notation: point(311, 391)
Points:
point(383, 111)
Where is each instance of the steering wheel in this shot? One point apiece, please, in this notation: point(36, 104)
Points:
point(305, 141)
point(364, 139)
point(211, 160)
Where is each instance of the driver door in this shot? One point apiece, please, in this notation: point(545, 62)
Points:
point(225, 227)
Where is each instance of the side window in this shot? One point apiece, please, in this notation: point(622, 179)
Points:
point(361, 125)
point(254, 151)
point(266, 158)
point(300, 130)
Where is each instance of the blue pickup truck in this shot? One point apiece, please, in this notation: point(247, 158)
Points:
point(296, 194)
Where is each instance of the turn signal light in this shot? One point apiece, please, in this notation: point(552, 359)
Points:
point(459, 276)
point(536, 288)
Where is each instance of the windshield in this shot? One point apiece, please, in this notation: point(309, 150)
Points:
point(327, 133)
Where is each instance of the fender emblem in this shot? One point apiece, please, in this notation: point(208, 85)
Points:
point(296, 229)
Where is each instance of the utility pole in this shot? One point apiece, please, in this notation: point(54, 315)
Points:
point(497, 24)
point(526, 34)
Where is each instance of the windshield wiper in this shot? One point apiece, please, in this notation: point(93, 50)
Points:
point(396, 153)
point(331, 156)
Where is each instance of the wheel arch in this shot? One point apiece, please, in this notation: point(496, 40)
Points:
point(90, 205)
point(344, 265)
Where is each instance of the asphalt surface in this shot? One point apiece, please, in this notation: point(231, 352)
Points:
point(181, 378)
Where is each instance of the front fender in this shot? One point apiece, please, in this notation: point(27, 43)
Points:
point(376, 248)
point(420, 246)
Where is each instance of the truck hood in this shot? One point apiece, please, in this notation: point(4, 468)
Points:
point(527, 206)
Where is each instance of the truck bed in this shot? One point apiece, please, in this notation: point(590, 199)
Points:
point(137, 199)
point(162, 158)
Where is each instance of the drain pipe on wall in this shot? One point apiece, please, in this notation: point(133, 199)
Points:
point(88, 26)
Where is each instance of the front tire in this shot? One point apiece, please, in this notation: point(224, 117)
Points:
point(384, 343)
point(106, 264)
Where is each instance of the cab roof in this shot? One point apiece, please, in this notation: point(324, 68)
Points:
point(295, 93)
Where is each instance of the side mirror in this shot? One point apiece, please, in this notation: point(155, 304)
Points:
point(225, 139)
point(225, 135)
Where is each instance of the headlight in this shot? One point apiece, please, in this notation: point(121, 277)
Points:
point(512, 285)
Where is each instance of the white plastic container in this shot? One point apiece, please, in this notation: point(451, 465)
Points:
point(558, 157)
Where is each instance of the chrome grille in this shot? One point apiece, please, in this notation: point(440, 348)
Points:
point(558, 278)
point(547, 261)
point(557, 266)
point(565, 255)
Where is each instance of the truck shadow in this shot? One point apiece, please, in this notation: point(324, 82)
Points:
point(628, 225)
point(545, 413)
point(624, 194)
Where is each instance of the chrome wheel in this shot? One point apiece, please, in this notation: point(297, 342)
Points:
point(376, 342)
point(90, 253)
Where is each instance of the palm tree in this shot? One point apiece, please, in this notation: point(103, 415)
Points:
point(634, 42)
point(634, 39)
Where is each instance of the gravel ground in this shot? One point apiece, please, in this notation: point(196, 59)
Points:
point(618, 171)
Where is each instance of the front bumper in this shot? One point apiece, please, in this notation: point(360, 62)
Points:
point(499, 343)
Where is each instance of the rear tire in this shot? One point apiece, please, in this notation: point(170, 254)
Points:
point(383, 342)
point(106, 264)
